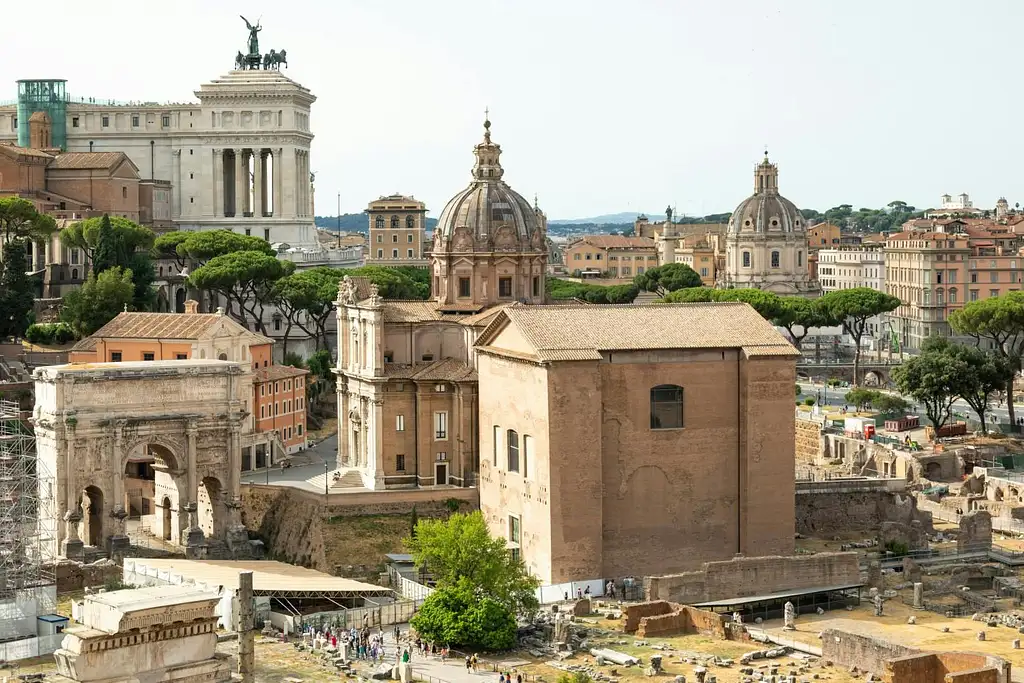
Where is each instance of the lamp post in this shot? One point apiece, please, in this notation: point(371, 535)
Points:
point(327, 483)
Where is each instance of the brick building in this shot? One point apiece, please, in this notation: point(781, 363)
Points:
point(397, 228)
point(617, 256)
point(640, 439)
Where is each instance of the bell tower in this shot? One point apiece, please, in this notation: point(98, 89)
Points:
point(766, 177)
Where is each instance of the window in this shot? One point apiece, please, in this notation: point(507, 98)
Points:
point(74, 122)
point(938, 277)
point(394, 253)
point(410, 223)
point(380, 253)
point(181, 356)
point(515, 533)
point(394, 239)
point(248, 232)
point(263, 412)
point(115, 356)
point(974, 278)
point(277, 324)
point(440, 388)
point(74, 257)
point(380, 239)
point(165, 121)
point(400, 423)
point(440, 425)
point(124, 192)
point(513, 450)
point(105, 121)
point(300, 429)
point(993, 292)
point(135, 120)
point(409, 238)
point(974, 295)
point(400, 462)
point(746, 259)
point(527, 452)
point(666, 407)
point(704, 272)
point(266, 234)
point(995, 276)
point(379, 223)
point(504, 286)
point(799, 258)
point(427, 358)
point(952, 296)
point(497, 444)
point(536, 285)
point(464, 287)
point(410, 253)
point(775, 259)
point(576, 256)
point(148, 356)
point(394, 221)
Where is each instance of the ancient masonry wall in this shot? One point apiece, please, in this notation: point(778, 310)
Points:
point(653, 619)
point(864, 511)
point(808, 441)
point(864, 652)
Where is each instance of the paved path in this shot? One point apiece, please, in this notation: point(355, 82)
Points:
point(307, 477)
point(431, 669)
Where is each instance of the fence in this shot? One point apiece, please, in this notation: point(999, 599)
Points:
point(408, 588)
point(1009, 526)
point(27, 648)
point(629, 589)
point(373, 616)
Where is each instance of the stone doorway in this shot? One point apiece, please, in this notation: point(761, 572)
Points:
point(212, 508)
point(440, 473)
point(165, 532)
point(92, 516)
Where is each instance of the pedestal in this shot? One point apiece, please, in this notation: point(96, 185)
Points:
point(73, 548)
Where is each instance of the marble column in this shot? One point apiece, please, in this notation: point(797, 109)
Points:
point(257, 184)
point(192, 494)
point(241, 182)
point(118, 539)
point(278, 198)
point(376, 449)
point(219, 204)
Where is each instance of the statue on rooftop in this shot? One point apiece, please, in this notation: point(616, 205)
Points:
point(254, 41)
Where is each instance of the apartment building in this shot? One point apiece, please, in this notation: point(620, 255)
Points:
point(617, 256)
point(821, 236)
point(397, 227)
point(849, 267)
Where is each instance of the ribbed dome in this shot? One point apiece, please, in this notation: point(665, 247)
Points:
point(766, 211)
point(488, 214)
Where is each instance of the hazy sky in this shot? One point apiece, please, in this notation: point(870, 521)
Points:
point(599, 106)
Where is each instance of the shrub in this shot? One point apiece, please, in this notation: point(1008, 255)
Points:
point(453, 504)
point(897, 548)
point(809, 401)
point(49, 333)
point(455, 615)
point(798, 390)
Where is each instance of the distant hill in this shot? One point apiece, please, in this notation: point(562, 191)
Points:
point(354, 222)
point(616, 218)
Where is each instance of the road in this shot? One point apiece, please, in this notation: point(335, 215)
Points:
point(836, 396)
point(309, 477)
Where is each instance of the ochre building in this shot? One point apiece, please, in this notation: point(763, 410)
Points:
point(635, 439)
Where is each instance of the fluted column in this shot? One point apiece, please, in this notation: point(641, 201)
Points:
point(219, 205)
point(278, 175)
point(257, 182)
point(240, 182)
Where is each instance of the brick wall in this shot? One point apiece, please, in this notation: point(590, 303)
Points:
point(755, 576)
point(635, 613)
point(864, 652)
point(660, 617)
point(830, 512)
point(808, 441)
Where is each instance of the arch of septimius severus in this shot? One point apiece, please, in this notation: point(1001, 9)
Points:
point(96, 423)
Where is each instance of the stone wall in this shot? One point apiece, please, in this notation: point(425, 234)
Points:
point(75, 576)
point(975, 532)
point(808, 441)
point(755, 576)
point(864, 652)
point(859, 511)
point(663, 618)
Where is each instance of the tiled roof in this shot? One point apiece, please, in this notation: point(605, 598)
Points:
point(157, 325)
point(275, 372)
point(582, 332)
point(444, 370)
point(87, 160)
point(425, 311)
point(25, 151)
point(87, 344)
point(617, 242)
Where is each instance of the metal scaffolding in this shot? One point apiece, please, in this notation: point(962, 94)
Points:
point(27, 582)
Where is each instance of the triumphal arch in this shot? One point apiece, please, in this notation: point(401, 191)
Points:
point(170, 429)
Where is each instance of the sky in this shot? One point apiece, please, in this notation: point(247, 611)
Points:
point(600, 106)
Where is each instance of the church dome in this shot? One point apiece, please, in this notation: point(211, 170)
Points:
point(766, 211)
point(488, 215)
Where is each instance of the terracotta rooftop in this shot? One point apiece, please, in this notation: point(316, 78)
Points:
point(444, 370)
point(397, 311)
point(617, 242)
point(275, 372)
point(582, 332)
point(14, 150)
point(87, 160)
point(134, 325)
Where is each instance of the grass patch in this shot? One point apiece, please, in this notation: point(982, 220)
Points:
point(364, 540)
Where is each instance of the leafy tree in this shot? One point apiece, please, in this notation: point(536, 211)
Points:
point(98, 301)
point(166, 246)
point(987, 374)
point(108, 252)
point(575, 677)
point(207, 245)
point(20, 220)
point(692, 295)
point(245, 279)
point(294, 360)
point(853, 308)
point(668, 278)
point(130, 237)
point(933, 378)
point(16, 290)
point(559, 289)
point(460, 616)
point(461, 547)
point(890, 404)
point(395, 283)
point(322, 376)
point(800, 313)
point(767, 304)
point(998, 320)
point(862, 399)
point(293, 295)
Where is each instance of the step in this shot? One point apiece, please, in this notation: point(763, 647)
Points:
point(349, 479)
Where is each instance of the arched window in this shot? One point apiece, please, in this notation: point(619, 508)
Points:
point(746, 259)
point(394, 221)
point(775, 259)
point(379, 223)
point(666, 407)
point(513, 450)
point(410, 222)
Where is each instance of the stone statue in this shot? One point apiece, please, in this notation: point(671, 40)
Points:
point(239, 61)
point(789, 615)
point(668, 214)
point(254, 41)
point(347, 291)
point(737, 618)
point(375, 298)
point(878, 604)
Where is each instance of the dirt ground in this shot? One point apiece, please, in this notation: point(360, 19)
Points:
point(364, 540)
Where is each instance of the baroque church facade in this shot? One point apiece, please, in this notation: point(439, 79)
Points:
point(407, 374)
point(766, 241)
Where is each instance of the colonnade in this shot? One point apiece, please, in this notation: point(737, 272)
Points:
point(261, 182)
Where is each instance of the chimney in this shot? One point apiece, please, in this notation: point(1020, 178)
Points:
point(191, 306)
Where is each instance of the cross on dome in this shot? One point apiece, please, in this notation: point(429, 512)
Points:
point(488, 166)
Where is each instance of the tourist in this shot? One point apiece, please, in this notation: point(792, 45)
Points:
point(469, 663)
point(610, 589)
point(586, 593)
point(579, 593)
point(475, 661)
point(501, 678)
point(519, 678)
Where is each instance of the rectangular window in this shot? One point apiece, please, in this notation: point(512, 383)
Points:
point(165, 121)
point(536, 285)
point(514, 530)
point(148, 356)
point(135, 120)
point(513, 450)
point(263, 412)
point(994, 275)
point(974, 278)
point(993, 292)
point(106, 121)
point(440, 425)
point(974, 295)
point(505, 286)
point(248, 232)
point(74, 122)
point(409, 255)
point(115, 356)
point(400, 462)
point(266, 234)
point(300, 429)
point(409, 240)
point(394, 238)
point(497, 445)
point(526, 454)
point(464, 286)
point(666, 407)
point(380, 238)
point(576, 257)
point(380, 253)
point(394, 253)
point(400, 423)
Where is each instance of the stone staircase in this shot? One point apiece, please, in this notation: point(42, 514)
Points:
point(349, 479)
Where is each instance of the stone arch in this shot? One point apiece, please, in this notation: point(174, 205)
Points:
point(874, 378)
point(212, 509)
point(933, 471)
point(179, 300)
point(169, 484)
point(162, 305)
point(166, 519)
point(93, 529)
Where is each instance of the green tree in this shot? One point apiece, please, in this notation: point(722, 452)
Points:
point(987, 374)
point(668, 278)
point(321, 376)
point(461, 547)
point(394, 283)
point(999, 321)
point(108, 252)
point(460, 616)
point(116, 241)
point(862, 399)
point(799, 315)
point(853, 308)
point(891, 404)
point(933, 378)
point(20, 220)
point(98, 301)
point(166, 247)
point(245, 279)
point(207, 245)
point(16, 290)
point(767, 304)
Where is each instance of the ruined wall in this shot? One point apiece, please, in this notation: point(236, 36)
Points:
point(660, 617)
point(755, 576)
point(635, 613)
point(987, 675)
point(831, 512)
point(975, 532)
point(75, 576)
point(864, 652)
point(947, 667)
point(809, 443)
